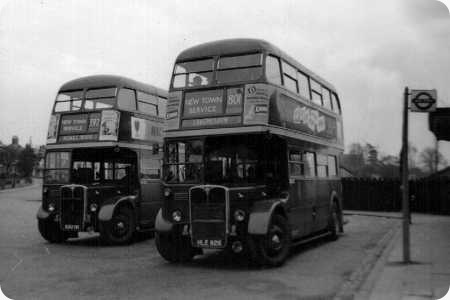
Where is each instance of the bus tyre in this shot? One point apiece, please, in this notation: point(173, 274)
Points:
point(120, 229)
point(333, 223)
point(174, 247)
point(50, 231)
point(273, 248)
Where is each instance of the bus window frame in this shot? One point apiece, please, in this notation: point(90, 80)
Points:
point(47, 167)
point(85, 99)
point(300, 162)
point(336, 100)
point(69, 101)
point(186, 83)
point(308, 96)
point(316, 91)
point(330, 104)
point(289, 76)
point(322, 161)
point(314, 167)
point(148, 103)
point(333, 157)
point(217, 69)
point(135, 99)
point(280, 75)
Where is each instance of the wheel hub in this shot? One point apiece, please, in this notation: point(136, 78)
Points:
point(120, 225)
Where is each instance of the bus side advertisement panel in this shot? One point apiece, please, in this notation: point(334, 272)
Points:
point(298, 116)
point(256, 104)
point(52, 133)
point(173, 110)
point(109, 126)
point(146, 130)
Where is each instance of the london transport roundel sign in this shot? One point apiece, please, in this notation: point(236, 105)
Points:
point(423, 100)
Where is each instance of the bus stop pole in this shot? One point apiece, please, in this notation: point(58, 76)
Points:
point(405, 183)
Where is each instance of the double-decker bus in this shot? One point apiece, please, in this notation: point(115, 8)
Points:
point(103, 159)
point(251, 155)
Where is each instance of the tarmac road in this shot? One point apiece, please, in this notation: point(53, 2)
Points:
point(31, 268)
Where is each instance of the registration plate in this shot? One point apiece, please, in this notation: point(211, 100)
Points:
point(210, 243)
point(71, 227)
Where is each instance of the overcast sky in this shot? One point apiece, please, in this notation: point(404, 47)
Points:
point(370, 50)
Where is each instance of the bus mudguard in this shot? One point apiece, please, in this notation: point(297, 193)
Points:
point(161, 224)
point(42, 214)
point(261, 214)
point(107, 210)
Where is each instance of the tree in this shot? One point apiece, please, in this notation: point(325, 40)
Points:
point(8, 156)
point(27, 160)
point(432, 159)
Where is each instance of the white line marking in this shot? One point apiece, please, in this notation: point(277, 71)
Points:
point(18, 263)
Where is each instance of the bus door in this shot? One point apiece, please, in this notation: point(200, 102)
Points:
point(151, 187)
point(309, 191)
point(301, 196)
point(323, 188)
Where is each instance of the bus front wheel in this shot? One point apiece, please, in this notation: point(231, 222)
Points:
point(120, 229)
point(174, 247)
point(50, 231)
point(272, 249)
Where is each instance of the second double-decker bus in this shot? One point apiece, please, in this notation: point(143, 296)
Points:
point(103, 159)
point(251, 157)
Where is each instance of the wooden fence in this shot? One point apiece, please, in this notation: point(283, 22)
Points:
point(426, 195)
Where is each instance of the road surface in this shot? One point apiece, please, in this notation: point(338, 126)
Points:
point(31, 268)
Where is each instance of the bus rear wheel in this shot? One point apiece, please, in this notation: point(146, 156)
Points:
point(50, 231)
point(174, 247)
point(272, 249)
point(120, 229)
point(333, 223)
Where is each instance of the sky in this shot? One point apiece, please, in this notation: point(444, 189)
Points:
point(369, 50)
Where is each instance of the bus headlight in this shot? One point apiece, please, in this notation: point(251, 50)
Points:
point(176, 216)
point(167, 192)
point(93, 207)
point(239, 215)
point(51, 207)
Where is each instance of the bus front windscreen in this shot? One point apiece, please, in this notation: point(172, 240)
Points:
point(230, 160)
point(57, 167)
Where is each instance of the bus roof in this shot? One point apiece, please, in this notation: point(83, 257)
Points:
point(95, 81)
point(244, 45)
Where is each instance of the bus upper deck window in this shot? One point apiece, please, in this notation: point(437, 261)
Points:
point(68, 101)
point(100, 98)
point(126, 99)
point(303, 85)
point(316, 89)
point(193, 73)
point(326, 98)
point(247, 67)
point(273, 70)
point(336, 104)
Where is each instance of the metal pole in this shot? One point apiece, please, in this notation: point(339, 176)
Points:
point(436, 155)
point(405, 183)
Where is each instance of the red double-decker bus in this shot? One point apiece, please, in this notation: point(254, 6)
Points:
point(251, 157)
point(103, 160)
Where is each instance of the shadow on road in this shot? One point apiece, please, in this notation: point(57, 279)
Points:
point(87, 240)
point(221, 259)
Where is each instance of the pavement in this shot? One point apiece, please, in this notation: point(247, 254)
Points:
point(37, 182)
point(427, 276)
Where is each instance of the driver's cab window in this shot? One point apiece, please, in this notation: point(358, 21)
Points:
point(150, 165)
